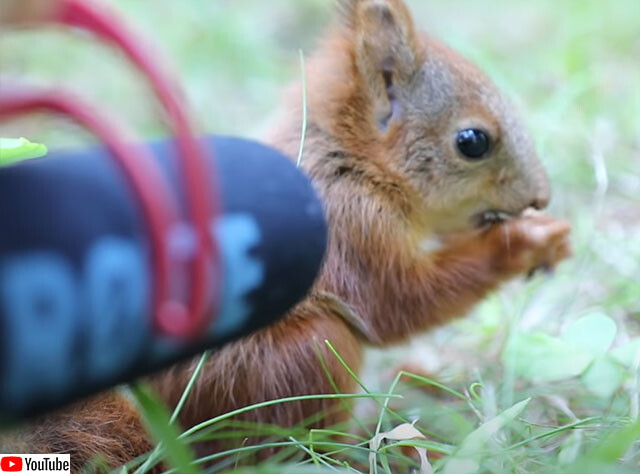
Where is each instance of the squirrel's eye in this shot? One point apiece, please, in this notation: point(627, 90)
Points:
point(473, 143)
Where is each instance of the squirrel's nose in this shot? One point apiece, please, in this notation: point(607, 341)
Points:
point(541, 190)
point(540, 202)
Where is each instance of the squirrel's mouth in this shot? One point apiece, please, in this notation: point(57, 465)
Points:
point(490, 217)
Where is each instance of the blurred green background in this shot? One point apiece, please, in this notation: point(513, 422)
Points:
point(573, 68)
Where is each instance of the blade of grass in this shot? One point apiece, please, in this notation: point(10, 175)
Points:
point(187, 391)
point(554, 431)
point(258, 447)
point(156, 417)
point(153, 457)
point(239, 411)
point(315, 457)
point(615, 446)
point(304, 108)
point(344, 404)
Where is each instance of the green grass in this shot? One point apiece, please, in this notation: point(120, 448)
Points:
point(573, 67)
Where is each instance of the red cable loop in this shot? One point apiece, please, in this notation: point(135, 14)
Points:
point(139, 166)
point(201, 194)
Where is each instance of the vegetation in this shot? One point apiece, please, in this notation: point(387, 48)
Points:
point(542, 377)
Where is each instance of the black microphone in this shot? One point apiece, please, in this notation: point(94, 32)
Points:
point(75, 267)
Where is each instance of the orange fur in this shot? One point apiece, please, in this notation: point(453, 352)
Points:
point(404, 256)
point(106, 427)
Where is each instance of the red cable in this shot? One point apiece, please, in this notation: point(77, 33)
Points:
point(137, 164)
point(201, 194)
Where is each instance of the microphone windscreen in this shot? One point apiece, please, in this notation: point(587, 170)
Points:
point(75, 266)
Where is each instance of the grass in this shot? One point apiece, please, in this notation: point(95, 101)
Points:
point(573, 69)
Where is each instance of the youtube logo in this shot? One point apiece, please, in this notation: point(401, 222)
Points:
point(41, 463)
point(11, 464)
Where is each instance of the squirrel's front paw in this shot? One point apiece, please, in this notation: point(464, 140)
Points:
point(527, 243)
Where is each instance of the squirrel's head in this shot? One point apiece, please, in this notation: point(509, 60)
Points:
point(434, 118)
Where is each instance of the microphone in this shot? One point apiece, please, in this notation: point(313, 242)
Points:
point(75, 266)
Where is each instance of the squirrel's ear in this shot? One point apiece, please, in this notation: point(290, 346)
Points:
point(387, 50)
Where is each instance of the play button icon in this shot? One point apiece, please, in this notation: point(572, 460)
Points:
point(11, 464)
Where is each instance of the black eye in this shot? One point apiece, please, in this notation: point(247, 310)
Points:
point(473, 143)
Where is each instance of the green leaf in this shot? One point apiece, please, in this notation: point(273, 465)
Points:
point(627, 353)
point(593, 333)
point(156, 417)
point(540, 357)
point(616, 445)
point(13, 150)
point(467, 458)
point(603, 377)
point(570, 448)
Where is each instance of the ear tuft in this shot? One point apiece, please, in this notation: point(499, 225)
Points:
point(386, 49)
point(383, 34)
point(352, 11)
point(346, 10)
point(379, 11)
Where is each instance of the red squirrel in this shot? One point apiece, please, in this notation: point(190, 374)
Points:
point(425, 170)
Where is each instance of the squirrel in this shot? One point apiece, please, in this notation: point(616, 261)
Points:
point(426, 172)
